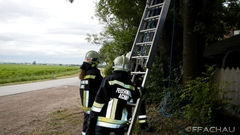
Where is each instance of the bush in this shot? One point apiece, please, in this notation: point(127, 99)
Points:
point(155, 83)
point(203, 99)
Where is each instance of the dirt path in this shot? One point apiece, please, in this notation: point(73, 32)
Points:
point(22, 114)
point(57, 111)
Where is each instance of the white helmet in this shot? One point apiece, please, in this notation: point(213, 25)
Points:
point(128, 55)
point(121, 63)
point(92, 56)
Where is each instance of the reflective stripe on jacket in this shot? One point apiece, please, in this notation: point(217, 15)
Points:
point(111, 123)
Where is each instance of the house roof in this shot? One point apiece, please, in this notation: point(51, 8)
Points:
point(223, 47)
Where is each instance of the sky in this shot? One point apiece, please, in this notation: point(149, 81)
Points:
point(46, 31)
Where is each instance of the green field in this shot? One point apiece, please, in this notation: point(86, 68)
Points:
point(13, 73)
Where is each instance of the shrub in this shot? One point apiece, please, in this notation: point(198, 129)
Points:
point(203, 99)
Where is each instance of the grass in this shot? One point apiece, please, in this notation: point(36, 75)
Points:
point(16, 73)
point(61, 122)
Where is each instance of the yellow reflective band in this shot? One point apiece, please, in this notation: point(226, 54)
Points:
point(142, 121)
point(97, 107)
point(121, 84)
point(111, 121)
point(114, 108)
point(85, 98)
point(96, 104)
point(86, 108)
point(89, 77)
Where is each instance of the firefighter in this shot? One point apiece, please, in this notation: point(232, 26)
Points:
point(109, 113)
point(92, 59)
point(142, 116)
point(90, 81)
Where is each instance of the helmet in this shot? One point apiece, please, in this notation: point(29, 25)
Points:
point(128, 55)
point(92, 56)
point(121, 63)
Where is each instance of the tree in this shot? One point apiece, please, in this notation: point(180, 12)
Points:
point(190, 46)
point(120, 20)
point(203, 23)
point(199, 23)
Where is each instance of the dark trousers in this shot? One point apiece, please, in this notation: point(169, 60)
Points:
point(106, 131)
point(86, 116)
point(142, 110)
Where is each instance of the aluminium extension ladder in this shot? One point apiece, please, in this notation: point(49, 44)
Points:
point(146, 43)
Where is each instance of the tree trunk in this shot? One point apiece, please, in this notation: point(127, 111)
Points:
point(190, 46)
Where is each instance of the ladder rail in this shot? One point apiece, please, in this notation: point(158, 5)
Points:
point(157, 35)
point(145, 45)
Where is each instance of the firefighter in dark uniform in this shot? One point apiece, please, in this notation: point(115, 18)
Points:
point(109, 112)
point(90, 81)
point(142, 116)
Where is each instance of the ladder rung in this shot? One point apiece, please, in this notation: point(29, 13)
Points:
point(154, 6)
point(148, 30)
point(144, 43)
point(151, 18)
point(139, 57)
point(138, 73)
point(132, 104)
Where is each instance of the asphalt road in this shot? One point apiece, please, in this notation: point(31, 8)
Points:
point(20, 88)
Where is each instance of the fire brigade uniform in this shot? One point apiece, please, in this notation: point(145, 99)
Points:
point(88, 88)
point(109, 113)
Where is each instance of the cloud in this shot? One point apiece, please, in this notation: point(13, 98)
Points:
point(46, 31)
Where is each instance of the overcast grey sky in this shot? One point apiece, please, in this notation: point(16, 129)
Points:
point(46, 31)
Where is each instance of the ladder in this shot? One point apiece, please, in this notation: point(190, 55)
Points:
point(145, 45)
